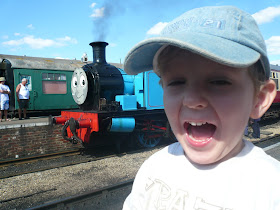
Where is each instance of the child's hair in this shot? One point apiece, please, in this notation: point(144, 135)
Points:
point(169, 52)
point(257, 74)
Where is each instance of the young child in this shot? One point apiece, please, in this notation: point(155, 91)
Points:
point(214, 71)
point(4, 95)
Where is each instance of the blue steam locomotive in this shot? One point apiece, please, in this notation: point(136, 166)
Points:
point(114, 105)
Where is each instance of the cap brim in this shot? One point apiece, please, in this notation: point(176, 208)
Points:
point(220, 50)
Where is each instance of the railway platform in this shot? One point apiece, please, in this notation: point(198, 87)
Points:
point(32, 121)
point(31, 137)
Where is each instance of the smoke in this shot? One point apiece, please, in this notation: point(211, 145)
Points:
point(103, 18)
point(105, 15)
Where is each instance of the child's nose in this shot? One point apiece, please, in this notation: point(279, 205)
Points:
point(195, 99)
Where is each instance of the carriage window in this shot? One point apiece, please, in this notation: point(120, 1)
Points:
point(54, 83)
point(44, 76)
point(62, 77)
point(29, 81)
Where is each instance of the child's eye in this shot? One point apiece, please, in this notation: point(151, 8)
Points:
point(176, 82)
point(220, 82)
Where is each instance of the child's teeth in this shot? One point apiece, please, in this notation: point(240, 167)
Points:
point(197, 124)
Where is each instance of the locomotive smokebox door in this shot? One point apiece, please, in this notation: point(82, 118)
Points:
point(79, 86)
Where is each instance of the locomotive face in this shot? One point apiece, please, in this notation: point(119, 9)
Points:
point(79, 86)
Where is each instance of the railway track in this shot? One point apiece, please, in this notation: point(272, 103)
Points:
point(38, 157)
point(111, 197)
point(265, 143)
point(20, 166)
point(34, 164)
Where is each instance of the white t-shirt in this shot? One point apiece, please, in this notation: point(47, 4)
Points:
point(23, 92)
point(167, 180)
point(4, 96)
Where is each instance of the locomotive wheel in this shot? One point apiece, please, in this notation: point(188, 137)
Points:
point(148, 140)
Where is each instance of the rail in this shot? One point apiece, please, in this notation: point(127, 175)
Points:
point(110, 197)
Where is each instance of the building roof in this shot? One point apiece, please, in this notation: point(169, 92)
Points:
point(46, 63)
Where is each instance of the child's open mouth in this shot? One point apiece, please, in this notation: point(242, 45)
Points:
point(199, 133)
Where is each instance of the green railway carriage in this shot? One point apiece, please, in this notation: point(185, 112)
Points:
point(49, 80)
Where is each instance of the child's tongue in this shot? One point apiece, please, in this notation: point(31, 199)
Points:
point(202, 132)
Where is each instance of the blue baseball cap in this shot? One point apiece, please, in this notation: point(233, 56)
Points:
point(224, 34)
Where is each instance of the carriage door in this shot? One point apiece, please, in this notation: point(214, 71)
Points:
point(19, 74)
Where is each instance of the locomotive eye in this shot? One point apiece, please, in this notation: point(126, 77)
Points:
point(82, 81)
point(74, 81)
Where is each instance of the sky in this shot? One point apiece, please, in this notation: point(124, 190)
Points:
point(64, 28)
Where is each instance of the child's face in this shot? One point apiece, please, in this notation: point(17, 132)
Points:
point(208, 106)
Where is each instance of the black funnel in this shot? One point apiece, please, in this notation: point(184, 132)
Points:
point(99, 52)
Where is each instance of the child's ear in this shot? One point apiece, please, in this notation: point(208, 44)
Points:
point(263, 99)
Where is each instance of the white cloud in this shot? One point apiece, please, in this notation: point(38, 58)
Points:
point(67, 39)
point(267, 15)
point(39, 43)
point(92, 5)
point(98, 13)
point(17, 34)
point(273, 45)
point(156, 29)
point(30, 26)
point(5, 37)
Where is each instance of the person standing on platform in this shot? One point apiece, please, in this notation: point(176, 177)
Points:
point(256, 128)
point(254, 123)
point(23, 97)
point(4, 95)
